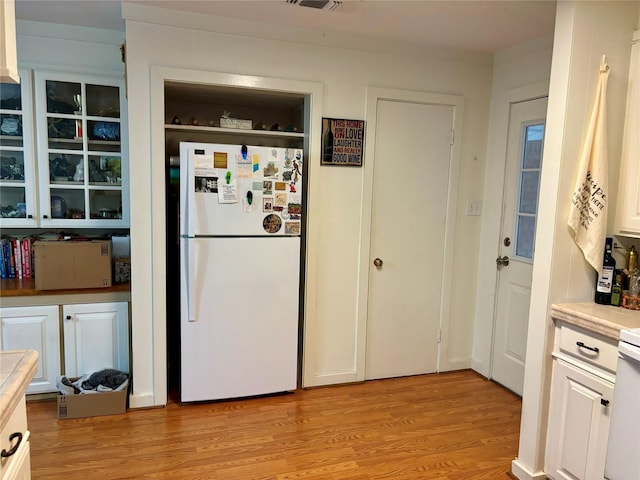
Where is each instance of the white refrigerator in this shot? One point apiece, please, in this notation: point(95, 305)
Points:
point(240, 220)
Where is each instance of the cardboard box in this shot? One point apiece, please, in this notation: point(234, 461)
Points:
point(69, 264)
point(92, 404)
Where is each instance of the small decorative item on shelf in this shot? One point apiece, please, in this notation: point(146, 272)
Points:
point(630, 302)
point(10, 169)
point(276, 127)
point(226, 121)
point(291, 128)
point(106, 131)
point(176, 120)
point(193, 121)
point(260, 126)
point(10, 126)
point(76, 213)
point(122, 270)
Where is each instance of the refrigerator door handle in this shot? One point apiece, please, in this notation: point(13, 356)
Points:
point(189, 279)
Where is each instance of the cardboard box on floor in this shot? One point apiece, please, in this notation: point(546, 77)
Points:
point(71, 264)
point(92, 404)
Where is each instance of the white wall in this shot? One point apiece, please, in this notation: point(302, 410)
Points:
point(519, 73)
point(334, 207)
point(584, 31)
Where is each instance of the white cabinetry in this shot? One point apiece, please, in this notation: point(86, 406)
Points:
point(82, 150)
point(96, 336)
point(581, 400)
point(14, 440)
point(34, 328)
point(82, 162)
point(628, 208)
point(18, 207)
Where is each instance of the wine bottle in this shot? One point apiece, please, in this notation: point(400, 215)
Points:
point(327, 143)
point(604, 283)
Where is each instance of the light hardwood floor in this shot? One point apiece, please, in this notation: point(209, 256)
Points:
point(449, 426)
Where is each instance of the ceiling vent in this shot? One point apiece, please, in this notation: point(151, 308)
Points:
point(317, 4)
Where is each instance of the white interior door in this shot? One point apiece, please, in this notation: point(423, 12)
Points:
point(516, 251)
point(411, 175)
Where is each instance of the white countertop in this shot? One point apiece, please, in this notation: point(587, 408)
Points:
point(17, 368)
point(603, 319)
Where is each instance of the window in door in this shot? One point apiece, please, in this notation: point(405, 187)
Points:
point(533, 136)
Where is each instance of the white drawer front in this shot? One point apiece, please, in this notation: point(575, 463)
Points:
point(17, 423)
point(589, 347)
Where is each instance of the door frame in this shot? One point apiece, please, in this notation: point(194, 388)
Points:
point(374, 94)
point(490, 231)
point(148, 333)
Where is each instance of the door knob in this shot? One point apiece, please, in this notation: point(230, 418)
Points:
point(504, 261)
point(377, 262)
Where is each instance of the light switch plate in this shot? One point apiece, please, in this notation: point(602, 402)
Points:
point(474, 207)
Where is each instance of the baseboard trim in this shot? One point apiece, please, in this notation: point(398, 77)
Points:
point(453, 365)
point(142, 401)
point(522, 473)
point(322, 380)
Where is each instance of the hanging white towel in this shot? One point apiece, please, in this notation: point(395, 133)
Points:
point(588, 211)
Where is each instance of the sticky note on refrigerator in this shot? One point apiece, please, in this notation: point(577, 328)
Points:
point(219, 160)
point(202, 161)
point(256, 163)
point(228, 193)
point(203, 165)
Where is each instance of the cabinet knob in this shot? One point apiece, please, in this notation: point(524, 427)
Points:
point(29, 216)
point(45, 216)
point(68, 317)
point(604, 403)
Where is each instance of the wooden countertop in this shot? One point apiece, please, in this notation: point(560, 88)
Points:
point(17, 368)
point(26, 287)
point(603, 319)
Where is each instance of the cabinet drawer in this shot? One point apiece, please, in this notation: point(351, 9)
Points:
point(17, 423)
point(588, 347)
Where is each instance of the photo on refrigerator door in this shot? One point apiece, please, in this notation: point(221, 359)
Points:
point(206, 184)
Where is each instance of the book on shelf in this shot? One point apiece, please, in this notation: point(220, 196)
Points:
point(16, 258)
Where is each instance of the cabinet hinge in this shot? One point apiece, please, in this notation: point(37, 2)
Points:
point(453, 137)
point(439, 335)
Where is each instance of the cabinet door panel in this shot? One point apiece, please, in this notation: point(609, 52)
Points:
point(17, 166)
point(81, 131)
point(96, 336)
point(34, 328)
point(579, 418)
point(628, 209)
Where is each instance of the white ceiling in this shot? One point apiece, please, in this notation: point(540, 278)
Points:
point(482, 26)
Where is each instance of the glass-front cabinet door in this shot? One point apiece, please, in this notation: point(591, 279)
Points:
point(82, 150)
point(18, 206)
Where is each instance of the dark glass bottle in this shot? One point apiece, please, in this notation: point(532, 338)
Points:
point(604, 283)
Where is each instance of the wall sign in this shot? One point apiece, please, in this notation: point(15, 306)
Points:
point(342, 142)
